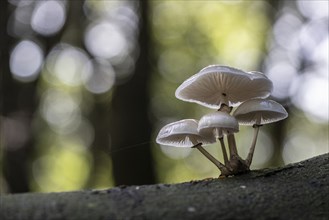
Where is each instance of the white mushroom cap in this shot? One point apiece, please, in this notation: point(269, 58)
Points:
point(216, 84)
point(182, 133)
point(259, 111)
point(217, 123)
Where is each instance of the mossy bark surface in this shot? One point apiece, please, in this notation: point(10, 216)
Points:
point(296, 191)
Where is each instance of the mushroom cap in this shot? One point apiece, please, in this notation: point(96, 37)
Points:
point(217, 124)
point(259, 111)
point(216, 84)
point(182, 133)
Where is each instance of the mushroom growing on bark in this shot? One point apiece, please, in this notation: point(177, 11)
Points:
point(222, 88)
point(257, 112)
point(184, 133)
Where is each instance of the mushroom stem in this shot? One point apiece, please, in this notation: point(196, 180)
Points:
point(232, 145)
point(222, 144)
point(230, 137)
point(225, 108)
point(210, 157)
point(253, 145)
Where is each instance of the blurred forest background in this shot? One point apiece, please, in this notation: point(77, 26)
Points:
point(87, 84)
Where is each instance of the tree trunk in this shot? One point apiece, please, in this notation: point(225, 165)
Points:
point(17, 105)
point(296, 191)
point(130, 122)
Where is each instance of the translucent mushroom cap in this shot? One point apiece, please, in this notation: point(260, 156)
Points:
point(182, 133)
point(217, 124)
point(217, 84)
point(259, 111)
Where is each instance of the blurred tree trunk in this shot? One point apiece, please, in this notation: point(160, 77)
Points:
point(18, 104)
point(278, 134)
point(130, 122)
point(277, 131)
point(99, 118)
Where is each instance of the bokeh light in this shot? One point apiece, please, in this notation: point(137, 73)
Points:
point(48, 17)
point(311, 95)
point(60, 110)
point(98, 76)
point(313, 9)
point(21, 2)
point(282, 75)
point(26, 60)
point(106, 40)
point(53, 171)
point(66, 64)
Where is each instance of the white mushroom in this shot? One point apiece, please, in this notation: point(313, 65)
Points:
point(215, 85)
point(219, 123)
point(222, 88)
point(184, 133)
point(258, 112)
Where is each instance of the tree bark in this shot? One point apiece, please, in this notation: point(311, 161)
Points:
point(296, 191)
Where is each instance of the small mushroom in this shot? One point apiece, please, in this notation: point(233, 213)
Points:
point(257, 112)
point(218, 123)
point(215, 85)
point(184, 133)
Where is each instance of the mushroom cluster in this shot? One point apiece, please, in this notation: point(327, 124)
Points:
point(222, 88)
